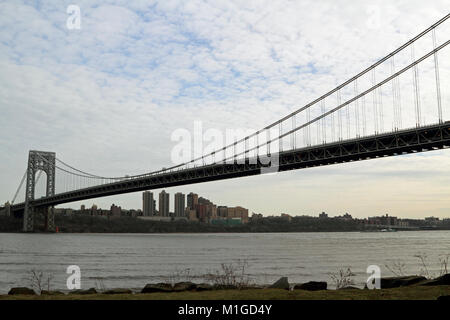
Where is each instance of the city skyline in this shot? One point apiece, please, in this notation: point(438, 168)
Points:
point(150, 196)
point(324, 215)
point(207, 78)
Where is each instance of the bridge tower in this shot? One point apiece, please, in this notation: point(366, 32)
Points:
point(45, 161)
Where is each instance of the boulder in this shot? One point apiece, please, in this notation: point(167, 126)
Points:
point(184, 286)
point(440, 281)
point(157, 287)
point(203, 287)
point(81, 291)
point(118, 291)
point(281, 283)
point(21, 290)
point(395, 282)
point(311, 286)
point(51, 293)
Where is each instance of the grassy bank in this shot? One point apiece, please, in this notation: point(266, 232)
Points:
point(404, 293)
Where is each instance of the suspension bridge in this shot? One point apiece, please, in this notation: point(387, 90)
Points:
point(399, 105)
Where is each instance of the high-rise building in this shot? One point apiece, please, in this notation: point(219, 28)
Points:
point(192, 200)
point(164, 204)
point(222, 211)
point(191, 214)
point(202, 214)
point(202, 200)
point(94, 210)
point(116, 211)
point(179, 204)
point(148, 204)
point(242, 213)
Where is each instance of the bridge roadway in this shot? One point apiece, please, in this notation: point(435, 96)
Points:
point(400, 142)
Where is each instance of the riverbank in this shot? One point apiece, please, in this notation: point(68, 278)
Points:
point(402, 293)
point(392, 288)
point(103, 224)
point(97, 224)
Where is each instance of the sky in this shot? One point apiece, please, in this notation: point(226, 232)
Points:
point(108, 96)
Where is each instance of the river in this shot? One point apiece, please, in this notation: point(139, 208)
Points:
point(132, 260)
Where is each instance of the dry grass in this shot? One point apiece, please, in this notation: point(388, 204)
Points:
point(406, 293)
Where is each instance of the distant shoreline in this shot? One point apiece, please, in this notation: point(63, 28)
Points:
point(216, 232)
point(93, 224)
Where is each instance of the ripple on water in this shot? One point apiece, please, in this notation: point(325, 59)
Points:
point(131, 260)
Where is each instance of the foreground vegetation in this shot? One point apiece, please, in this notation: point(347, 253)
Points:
point(404, 293)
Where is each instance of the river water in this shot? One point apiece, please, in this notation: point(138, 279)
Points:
point(132, 260)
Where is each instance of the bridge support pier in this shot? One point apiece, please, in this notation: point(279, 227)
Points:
point(38, 160)
point(28, 219)
point(50, 219)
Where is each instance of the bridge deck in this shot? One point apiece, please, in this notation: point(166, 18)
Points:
point(414, 140)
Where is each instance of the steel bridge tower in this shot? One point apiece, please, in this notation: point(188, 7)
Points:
point(44, 161)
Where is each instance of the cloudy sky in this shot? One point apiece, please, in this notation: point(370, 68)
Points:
point(108, 96)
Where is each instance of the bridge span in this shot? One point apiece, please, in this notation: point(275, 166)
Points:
point(402, 142)
point(380, 112)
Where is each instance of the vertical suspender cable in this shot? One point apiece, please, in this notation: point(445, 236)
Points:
point(436, 71)
point(333, 134)
point(339, 115)
point(416, 88)
point(324, 134)
point(374, 103)
point(318, 132)
point(380, 109)
point(355, 88)
point(363, 110)
point(293, 136)
point(308, 118)
point(280, 140)
point(347, 111)
point(394, 95)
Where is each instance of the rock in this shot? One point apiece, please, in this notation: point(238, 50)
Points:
point(281, 283)
point(81, 291)
point(311, 286)
point(224, 287)
point(440, 281)
point(395, 282)
point(21, 290)
point(204, 287)
point(443, 298)
point(51, 293)
point(184, 286)
point(157, 287)
point(118, 291)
